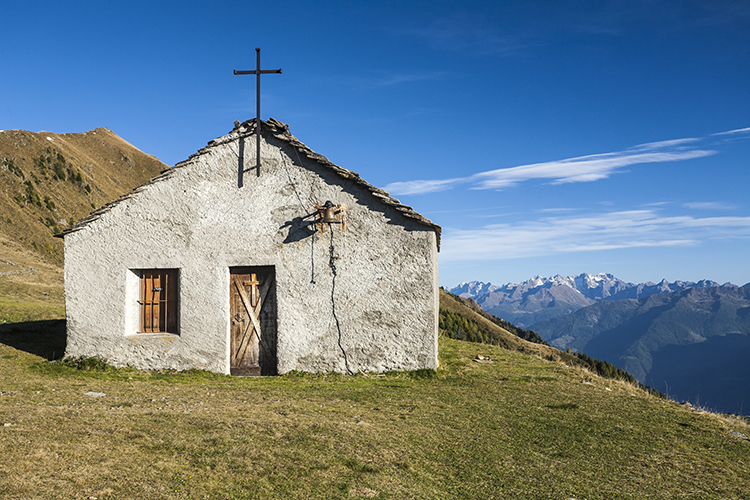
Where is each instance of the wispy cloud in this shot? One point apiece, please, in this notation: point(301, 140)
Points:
point(391, 79)
point(383, 79)
point(424, 186)
point(739, 131)
point(672, 143)
point(709, 205)
point(465, 210)
point(585, 233)
point(579, 169)
point(557, 210)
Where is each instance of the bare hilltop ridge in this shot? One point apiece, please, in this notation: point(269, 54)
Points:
point(48, 182)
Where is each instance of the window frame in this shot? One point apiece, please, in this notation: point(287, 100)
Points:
point(158, 310)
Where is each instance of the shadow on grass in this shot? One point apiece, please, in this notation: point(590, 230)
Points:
point(42, 338)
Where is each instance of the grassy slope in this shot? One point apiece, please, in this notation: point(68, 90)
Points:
point(30, 258)
point(503, 325)
point(30, 287)
point(503, 337)
point(521, 427)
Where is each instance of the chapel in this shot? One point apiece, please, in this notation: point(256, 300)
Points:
point(251, 265)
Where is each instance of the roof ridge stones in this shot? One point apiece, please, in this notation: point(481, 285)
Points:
point(280, 131)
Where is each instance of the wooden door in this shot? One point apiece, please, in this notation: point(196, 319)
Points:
point(252, 298)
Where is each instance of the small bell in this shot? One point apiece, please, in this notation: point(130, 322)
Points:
point(329, 213)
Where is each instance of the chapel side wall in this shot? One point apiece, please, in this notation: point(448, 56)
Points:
point(378, 314)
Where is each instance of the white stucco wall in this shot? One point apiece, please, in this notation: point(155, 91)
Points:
point(378, 313)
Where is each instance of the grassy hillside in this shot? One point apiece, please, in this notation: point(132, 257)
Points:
point(520, 427)
point(30, 287)
point(47, 182)
point(462, 319)
point(506, 326)
point(489, 332)
point(691, 343)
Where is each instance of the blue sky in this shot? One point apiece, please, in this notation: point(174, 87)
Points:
point(545, 137)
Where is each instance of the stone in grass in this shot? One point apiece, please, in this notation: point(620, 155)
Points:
point(483, 359)
point(362, 491)
point(95, 394)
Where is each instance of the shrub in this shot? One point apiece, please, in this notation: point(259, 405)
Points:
point(52, 224)
point(11, 165)
point(423, 373)
point(32, 195)
point(87, 363)
point(59, 171)
point(50, 204)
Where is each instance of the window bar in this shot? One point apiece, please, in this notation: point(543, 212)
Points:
point(163, 294)
point(147, 301)
point(150, 302)
point(143, 303)
point(157, 302)
point(154, 303)
point(172, 301)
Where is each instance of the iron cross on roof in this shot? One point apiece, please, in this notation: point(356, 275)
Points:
point(257, 72)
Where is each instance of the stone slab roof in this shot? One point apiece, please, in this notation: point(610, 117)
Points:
point(280, 131)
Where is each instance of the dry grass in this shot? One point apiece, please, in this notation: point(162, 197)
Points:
point(30, 288)
point(521, 427)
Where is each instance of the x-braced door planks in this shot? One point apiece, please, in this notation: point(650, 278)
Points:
point(252, 296)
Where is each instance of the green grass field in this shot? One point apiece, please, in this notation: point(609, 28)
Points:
point(521, 427)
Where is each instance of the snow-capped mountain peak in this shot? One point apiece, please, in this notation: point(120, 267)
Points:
point(596, 287)
point(539, 298)
point(473, 289)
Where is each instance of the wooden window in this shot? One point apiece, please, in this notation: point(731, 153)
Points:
point(159, 301)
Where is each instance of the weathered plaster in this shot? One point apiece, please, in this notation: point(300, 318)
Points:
point(377, 312)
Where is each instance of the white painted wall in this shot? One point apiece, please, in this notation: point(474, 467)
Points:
point(197, 219)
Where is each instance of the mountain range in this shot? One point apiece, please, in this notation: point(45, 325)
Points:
point(688, 340)
point(538, 299)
